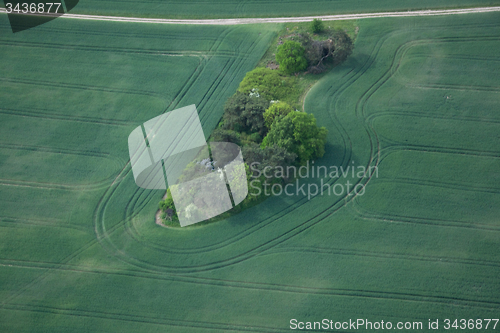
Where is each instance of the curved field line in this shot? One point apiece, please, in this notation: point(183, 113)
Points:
point(198, 71)
point(127, 258)
point(214, 85)
point(131, 205)
point(65, 260)
point(186, 87)
point(248, 253)
point(208, 95)
point(236, 60)
point(399, 55)
point(393, 69)
point(452, 300)
point(198, 249)
point(216, 88)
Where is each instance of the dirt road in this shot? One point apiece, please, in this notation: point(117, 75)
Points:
point(235, 21)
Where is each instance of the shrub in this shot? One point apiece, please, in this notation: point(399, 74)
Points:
point(224, 135)
point(290, 57)
point(267, 82)
point(317, 25)
point(270, 157)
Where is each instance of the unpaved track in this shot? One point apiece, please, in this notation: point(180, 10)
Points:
point(235, 21)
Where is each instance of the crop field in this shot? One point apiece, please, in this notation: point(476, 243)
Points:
point(71, 93)
point(260, 8)
point(79, 249)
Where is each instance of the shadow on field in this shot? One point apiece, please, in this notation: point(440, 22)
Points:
point(358, 60)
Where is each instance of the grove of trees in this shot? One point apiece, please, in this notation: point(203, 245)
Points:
point(259, 118)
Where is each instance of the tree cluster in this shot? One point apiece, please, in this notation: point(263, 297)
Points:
point(302, 51)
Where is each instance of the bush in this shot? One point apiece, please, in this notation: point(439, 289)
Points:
point(254, 137)
point(167, 208)
point(290, 57)
point(267, 82)
point(298, 133)
point(275, 111)
point(317, 25)
point(224, 135)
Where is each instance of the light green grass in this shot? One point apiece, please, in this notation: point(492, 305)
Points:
point(422, 243)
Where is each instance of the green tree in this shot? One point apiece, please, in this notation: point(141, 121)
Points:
point(298, 133)
point(317, 25)
point(267, 82)
point(290, 57)
point(232, 112)
point(245, 113)
point(342, 46)
point(275, 111)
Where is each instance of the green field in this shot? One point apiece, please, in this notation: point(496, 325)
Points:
point(79, 249)
point(260, 8)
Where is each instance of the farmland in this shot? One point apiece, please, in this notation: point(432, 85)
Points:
point(260, 8)
point(80, 252)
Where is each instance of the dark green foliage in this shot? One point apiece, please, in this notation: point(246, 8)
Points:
point(299, 134)
point(225, 135)
point(245, 113)
point(253, 114)
point(266, 82)
point(290, 57)
point(317, 25)
point(342, 46)
point(255, 137)
point(269, 156)
point(167, 208)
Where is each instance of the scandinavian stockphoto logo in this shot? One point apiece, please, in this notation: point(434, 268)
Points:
point(26, 14)
point(170, 151)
